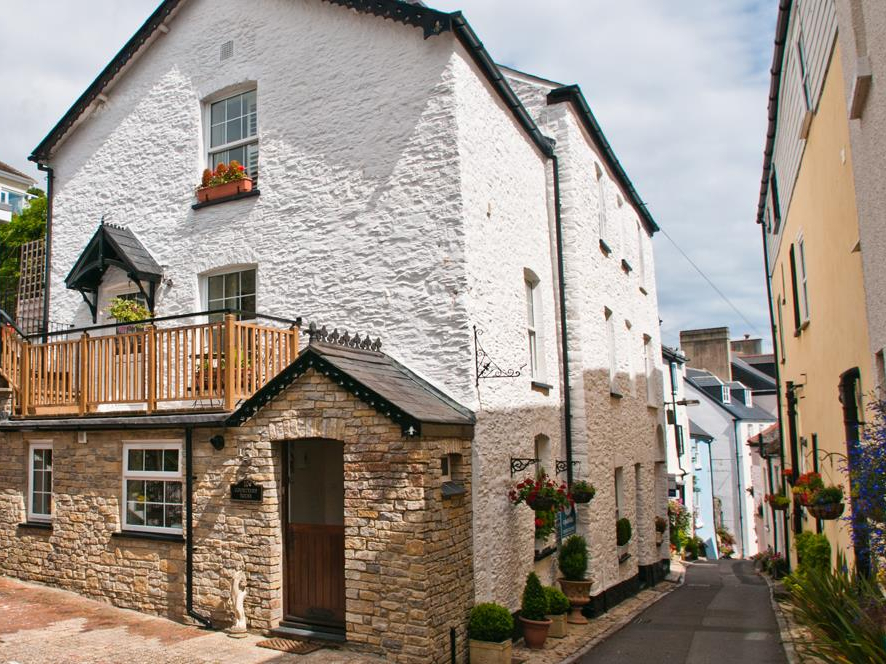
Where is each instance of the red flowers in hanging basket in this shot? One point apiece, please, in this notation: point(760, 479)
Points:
point(545, 497)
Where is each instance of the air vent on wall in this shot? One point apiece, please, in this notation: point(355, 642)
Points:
point(227, 50)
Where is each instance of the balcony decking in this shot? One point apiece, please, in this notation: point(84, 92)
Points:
point(207, 366)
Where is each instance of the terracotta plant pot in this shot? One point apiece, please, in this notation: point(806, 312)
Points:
point(579, 595)
point(827, 511)
point(558, 626)
point(207, 194)
point(535, 632)
point(487, 652)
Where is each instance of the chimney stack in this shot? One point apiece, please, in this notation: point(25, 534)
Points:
point(709, 349)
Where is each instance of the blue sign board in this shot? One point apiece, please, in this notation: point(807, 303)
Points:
point(565, 524)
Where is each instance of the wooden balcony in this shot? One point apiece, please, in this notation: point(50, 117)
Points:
point(153, 367)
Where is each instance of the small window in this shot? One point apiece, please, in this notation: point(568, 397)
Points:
point(804, 293)
point(534, 321)
point(601, 204)
point(152, 487)
point(803, 71)
point(641, 256)
point(619, 488)
point(543, 452)
point(774, 202)
point(446, 468)
point(725, 397)
point(40, 482)
point(610, 343)
point(651, 372)
point(233, 132)
point(232, 290)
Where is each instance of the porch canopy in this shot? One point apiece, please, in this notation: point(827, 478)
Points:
point(114, 246)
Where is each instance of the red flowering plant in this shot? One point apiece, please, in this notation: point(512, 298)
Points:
point(544, 496)
point(223, 174)
point(787, 473)
point(806, 486)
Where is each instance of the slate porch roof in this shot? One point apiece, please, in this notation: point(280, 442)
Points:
point(375, 378)
point(696, 431)
point(112, 245)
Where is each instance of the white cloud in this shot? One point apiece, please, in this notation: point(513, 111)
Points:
point(679, 88)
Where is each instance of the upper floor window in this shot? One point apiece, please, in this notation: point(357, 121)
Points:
point(802, 285)
point(650, 371)
point(233, 132)
point(601, 204)
point(152, 480)
point(641, 256)
point(40, 482)
point(231, 290)
point(803, 71)
point(610, 344)
point(533, 322)
point(774, 202)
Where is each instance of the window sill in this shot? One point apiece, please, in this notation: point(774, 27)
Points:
point(544, 388)
point(451, 489)
point(626, 266)
point(802, 327)
point(226, 199)
point(615, 394)
point(35, 525)
point(157, 537)
point(644, 291)
point(605, 247)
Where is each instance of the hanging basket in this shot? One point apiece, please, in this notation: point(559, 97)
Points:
point(780, 507)
point(827, 511)
point(582, 497)
point(540, 503)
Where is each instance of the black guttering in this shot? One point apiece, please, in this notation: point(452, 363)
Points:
point(47, 249)
point(564, 330)
point(161, 14)
point(573, 94)
point(781, 33)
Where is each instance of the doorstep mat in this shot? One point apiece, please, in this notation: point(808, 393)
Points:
point(289, 645)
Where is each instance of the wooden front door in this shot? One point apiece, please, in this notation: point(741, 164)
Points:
point(315, 534)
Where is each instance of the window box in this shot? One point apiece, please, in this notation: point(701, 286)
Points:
point(226, 190)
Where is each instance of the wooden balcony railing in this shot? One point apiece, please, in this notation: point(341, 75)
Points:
point(218, 363)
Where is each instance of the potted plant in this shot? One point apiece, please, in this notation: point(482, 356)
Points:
point(558, 607)
point(490, 628)
point(226, 180)
point(806, 486)
point(541, 494)
point(128, 311)
point(623, 535)
point(533, 612)
point(582, 492)
point(661, 525)
point(778, 502)
point(827, 503)
point(572, 559)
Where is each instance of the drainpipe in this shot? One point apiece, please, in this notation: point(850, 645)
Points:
point(47, 246)
point(772, 512)
point(777, 363)
point(564, 335)
point(739, 466)
point(189, 533)
point(795, 449)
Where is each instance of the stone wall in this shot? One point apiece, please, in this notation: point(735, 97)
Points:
point(408, 569)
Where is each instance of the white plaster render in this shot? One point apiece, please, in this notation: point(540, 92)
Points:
point(400, 198)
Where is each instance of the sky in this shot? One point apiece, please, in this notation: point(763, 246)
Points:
point(680, 89)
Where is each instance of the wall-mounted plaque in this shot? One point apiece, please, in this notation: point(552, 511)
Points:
point(246, 489)
point(565, 524)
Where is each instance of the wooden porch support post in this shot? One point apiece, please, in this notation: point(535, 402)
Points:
point(232, 363)
point(293, 345)
point(25, 368)
point(83, 374)
point(151, 360)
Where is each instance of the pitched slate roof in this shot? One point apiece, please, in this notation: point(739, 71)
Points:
point(6, 168)
point(751, 376)
point(704, 381)
point(372, 376)
point(112, 245)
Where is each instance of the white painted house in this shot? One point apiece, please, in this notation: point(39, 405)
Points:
point(14, 194)
point(473, 217)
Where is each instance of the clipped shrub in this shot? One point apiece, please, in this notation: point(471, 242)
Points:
point(490, 622)
point(695, 547)
point(661, 524)
point(813, 552)
point(535, 603)
point(558, 604)
point(622, 531)
point(573, 558)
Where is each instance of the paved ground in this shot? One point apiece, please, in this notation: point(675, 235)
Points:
point(40, 625)
point(722, 611)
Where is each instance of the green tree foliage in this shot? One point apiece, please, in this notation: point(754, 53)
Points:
point(573, 558)
point(28, 225)
point(535, 602)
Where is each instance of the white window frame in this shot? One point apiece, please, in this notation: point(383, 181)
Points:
point(602, 217)
point(162, 476)
point(223, 272)
point(534, 320)
point(610, 342)
point(650, 370)
point(803, 292)
point(210, 150)
point(38, 445)
point(803, 70)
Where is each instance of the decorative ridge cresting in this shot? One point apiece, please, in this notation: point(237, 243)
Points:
point(322, 335)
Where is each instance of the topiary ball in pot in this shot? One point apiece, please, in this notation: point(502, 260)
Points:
point(573, 558)
point(490, 622)
point(558, 604)
point(622, 531)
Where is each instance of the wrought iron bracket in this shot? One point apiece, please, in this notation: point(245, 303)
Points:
point(485, 366)
point(563, 466)
point(519, 464)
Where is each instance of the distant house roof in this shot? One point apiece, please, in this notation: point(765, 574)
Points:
point(673, 354)
point(768, 440)
point(372, 376)
point(696, 431)
point(757, 380)
point(9, 170)
point(704, 381)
